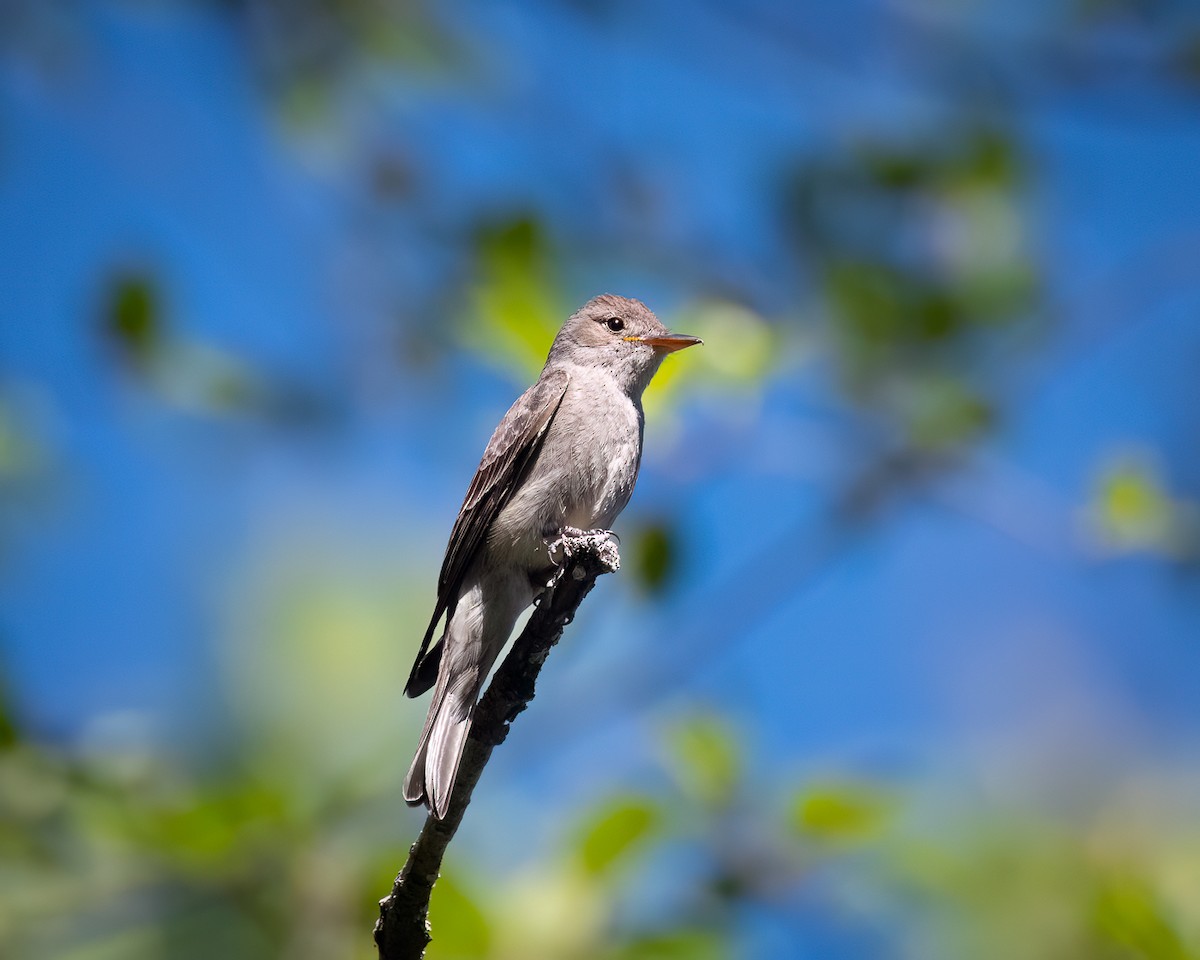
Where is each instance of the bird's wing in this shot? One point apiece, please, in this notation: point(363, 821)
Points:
point(505, 462)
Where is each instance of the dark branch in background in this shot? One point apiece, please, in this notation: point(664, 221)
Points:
point(402, 931)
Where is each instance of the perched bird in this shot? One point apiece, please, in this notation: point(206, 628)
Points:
point(563, 460)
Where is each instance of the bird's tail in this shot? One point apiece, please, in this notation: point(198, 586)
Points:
point(431, 776)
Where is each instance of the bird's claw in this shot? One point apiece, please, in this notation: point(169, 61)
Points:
point(571, 541)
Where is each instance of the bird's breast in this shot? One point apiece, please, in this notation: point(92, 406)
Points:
point(601, 458)
point(584, 474)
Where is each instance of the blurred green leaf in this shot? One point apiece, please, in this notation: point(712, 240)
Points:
point(706, 757)
point(653, 555)
point(1134, 503)
point(133, 317)
point(998, 290)
point(515, 311)
point(460, 927)
point(614, 831)
point(883, 311)
point(740, 347)
point(986, 157)
point(675, 945)
point(1131, 510)
point(218, 830)
point(942, 413)
point(840, 813)
point(304, 98)
point(21, 457)
point(552, 909)
point(893, 169)
point(1129, 915)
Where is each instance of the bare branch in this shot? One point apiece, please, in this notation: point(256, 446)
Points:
point(402, 931)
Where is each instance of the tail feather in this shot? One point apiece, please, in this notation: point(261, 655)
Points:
point(445, 749)
point(475, 633)
point(430, 778)
point(414, 780)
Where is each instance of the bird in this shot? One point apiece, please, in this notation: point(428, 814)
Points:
point(563, 460)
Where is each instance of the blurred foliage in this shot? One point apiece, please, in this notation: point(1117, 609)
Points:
point(651, 553)
point(463, 930)
point(309, 50)
point(273, 841)
point(1081, 888)
point(1131, 511)
point(705, 756)
point(31, 478)
point(516, 308)
point(1108, 881)
point(21, 455)
point(133, 319)
point(121, 852)
point(921, 259)
point(189, 374)
point(841, 813)
point(608, 838)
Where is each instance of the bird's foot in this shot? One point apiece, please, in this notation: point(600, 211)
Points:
point(571, 541)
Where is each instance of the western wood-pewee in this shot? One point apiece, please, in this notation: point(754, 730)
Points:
point(563, 460)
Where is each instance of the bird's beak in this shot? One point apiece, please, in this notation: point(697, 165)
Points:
point(668, 343)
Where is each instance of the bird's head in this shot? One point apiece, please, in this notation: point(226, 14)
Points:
point(620, 335)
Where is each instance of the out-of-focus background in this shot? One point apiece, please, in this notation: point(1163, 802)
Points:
point(904, 659)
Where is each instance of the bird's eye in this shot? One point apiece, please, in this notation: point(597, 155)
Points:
point(615, 324)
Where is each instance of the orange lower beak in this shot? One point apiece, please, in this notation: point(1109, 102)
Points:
point(671, 342)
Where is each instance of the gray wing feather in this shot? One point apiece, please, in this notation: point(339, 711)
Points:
point(508, 456)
